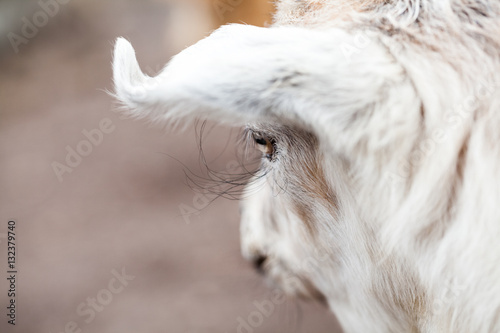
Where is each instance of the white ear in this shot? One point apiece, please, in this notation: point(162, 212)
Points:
point(127, 75)
point(244, 73)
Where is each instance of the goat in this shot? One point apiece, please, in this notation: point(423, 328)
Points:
point(379, 117)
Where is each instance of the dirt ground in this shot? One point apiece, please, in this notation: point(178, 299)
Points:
point(111, 230)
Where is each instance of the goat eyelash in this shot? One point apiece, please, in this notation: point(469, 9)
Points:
point(229, 184)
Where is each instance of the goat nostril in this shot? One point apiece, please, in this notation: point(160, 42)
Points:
point(259, 263)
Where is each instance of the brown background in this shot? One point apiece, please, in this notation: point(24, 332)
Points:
point(120, 207)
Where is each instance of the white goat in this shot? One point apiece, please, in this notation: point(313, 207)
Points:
point(379, 122)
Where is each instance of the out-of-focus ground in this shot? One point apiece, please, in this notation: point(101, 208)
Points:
point(119, 208)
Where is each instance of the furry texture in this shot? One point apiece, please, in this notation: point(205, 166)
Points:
point(381, 195)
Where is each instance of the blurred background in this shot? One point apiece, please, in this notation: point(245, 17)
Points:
point(109, 237)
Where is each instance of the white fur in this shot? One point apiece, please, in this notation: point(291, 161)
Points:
point(386, 119)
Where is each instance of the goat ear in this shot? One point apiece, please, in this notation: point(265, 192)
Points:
point(244, 73)
point(183, 90)
point(130, 82)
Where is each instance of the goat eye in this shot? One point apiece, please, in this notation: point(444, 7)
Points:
point(265, 145)
point(261, 141)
